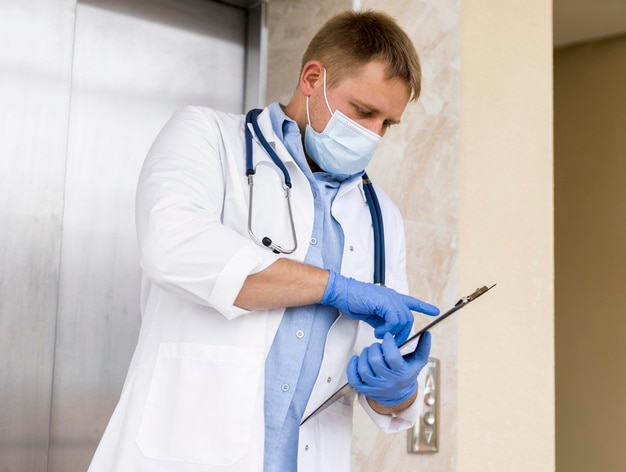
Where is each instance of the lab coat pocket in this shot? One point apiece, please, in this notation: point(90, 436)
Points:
point(325, 439)
point(335, 436)
point(200, 404)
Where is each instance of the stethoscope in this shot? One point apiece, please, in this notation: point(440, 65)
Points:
point(370, 195)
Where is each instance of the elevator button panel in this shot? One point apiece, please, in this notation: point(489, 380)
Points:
point(424, 436)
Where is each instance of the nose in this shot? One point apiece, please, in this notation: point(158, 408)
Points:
point(378, 127)
point(381, 128)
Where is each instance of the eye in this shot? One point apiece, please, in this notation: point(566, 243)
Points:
point(361, 112)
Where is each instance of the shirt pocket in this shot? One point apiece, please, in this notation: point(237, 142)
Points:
point(201, 402)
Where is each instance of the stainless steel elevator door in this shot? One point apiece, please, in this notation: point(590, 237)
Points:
point(134, 63)
point(35, 76)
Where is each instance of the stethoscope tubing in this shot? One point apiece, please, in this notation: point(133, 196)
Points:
point(368, 188)
point(251, 118)
point(378, 228)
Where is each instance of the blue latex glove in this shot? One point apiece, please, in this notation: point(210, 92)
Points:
point(382, 374)
point(383, 308)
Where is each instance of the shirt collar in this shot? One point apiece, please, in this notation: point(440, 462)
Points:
point(281, 123)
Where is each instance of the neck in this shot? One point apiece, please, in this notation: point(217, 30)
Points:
point(296, 110)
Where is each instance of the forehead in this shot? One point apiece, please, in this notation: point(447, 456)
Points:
point(370, 84)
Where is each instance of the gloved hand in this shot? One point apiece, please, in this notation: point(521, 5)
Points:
point(382, 374)
point(381, 307)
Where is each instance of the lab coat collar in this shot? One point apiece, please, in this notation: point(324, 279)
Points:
point(264, 121)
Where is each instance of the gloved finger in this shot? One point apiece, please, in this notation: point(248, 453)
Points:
point(422, 351)
point(385, 328)
point(364, 369)
point(398, 324)
point(391, 353)
point(405, 319)
point(353, 373)
point(355, 379)
point(403, 335)
point(374, 321)
point(377, 364)
point(389, 313)
point(418, 305)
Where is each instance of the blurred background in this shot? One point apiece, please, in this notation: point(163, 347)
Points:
point(590, 233)
point(510, 169)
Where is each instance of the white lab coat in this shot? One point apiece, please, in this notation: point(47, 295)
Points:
point(193, 397)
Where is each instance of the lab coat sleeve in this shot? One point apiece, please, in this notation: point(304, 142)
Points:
point(401, 420)
point(183, 245)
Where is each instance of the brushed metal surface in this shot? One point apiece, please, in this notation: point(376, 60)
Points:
point(256, 55)
point(77, 118)
point(35, 69)
point(424, 436)
point(135, 62)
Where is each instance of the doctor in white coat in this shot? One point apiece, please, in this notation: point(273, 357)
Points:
point(238, 343)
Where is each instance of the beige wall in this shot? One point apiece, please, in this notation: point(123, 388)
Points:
point(590, 199)
point(505, 348)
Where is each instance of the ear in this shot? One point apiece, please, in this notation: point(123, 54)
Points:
point(311, 77)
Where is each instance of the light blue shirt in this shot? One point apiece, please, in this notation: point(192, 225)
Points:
point(294, 360)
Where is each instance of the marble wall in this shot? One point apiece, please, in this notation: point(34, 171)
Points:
point(291, 25)
point(417, 164)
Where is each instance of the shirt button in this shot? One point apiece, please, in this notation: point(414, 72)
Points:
point(351, 248)
point(306, 447)
point(284, 387)
point(313, 241)
point(299, 334)
point(329, 379)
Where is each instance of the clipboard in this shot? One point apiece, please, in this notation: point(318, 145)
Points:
point(457, 306)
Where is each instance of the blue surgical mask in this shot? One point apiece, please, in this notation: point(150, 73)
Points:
point(343, 147)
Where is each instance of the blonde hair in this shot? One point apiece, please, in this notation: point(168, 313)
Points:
point(352, 39)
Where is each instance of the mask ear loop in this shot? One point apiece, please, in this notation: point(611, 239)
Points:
point(325, 96)
point(308, 117)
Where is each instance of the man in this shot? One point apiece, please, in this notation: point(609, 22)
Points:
point(238, 344)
